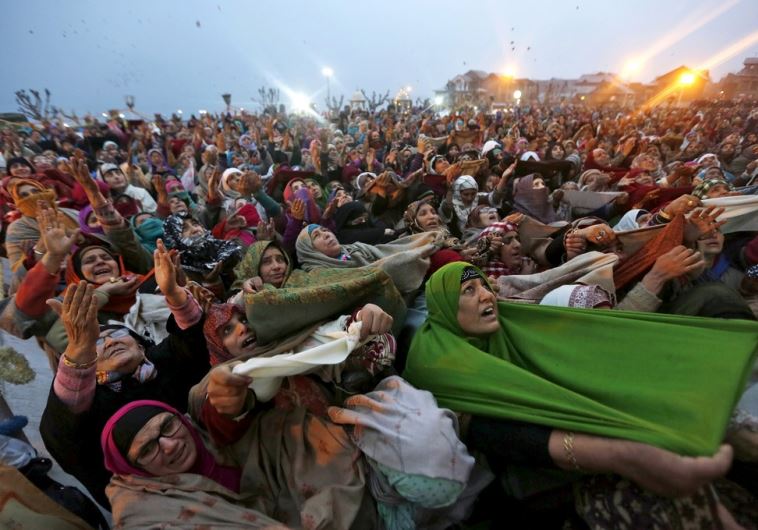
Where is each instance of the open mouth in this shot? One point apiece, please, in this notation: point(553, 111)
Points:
point(102, 270)
point(488, 311)
point(250, 341)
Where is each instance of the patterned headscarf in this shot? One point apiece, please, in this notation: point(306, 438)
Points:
point(198, 254)
point(217, 317)
point(701, 190)
point(583, 296)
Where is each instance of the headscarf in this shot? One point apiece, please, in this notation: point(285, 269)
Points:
point(126, 205)
point(411, 212)
point(323, 200)
point(84, 214)
point(250, 264)
point(28, 205)
point(289, 194)
point(242, 235)
point(486, 256)
point(198, 254)
point(533, 202)
point(230, 195)
point(701, 190)
point(584, 296)
point(629, 220)
point(462, 211)
point(531, 370)
point(148, 232)
point(163, 167)
point(146, 371)
point(118, 304)
point(205, 464)
point(217, 317)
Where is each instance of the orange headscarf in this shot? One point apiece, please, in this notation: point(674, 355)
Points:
point(118, 304)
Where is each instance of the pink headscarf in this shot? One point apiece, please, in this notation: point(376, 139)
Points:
point(205, 464)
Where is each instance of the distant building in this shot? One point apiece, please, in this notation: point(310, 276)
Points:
point(744, 83)
point(681, 83)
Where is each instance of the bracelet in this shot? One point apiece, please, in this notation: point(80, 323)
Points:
point(664, 215)
point(568, 446)
point(37, 252)
point(78, 366)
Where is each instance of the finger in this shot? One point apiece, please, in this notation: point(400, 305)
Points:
point(342, 416)
point(258, 283)
point(224, 376)
point(92, 309)
point(694, 266)
point(55, 305)
point(76, 301)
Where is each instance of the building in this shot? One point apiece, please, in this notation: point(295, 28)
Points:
point(742, 84)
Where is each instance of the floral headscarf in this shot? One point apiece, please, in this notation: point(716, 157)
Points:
point(198, 254)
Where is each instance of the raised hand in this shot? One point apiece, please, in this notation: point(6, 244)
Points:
point(330, 209)
point(53, 237)
point(227, 391)
point(251, 183)
point(374, 321)
point(78, 312)
point(702, 222)
point(166, 275)
point(213, 275)
point(682, 204)
point(677, 262)
point(266, 231)
point(81, 173)
point(297, 210)
point(453, 172)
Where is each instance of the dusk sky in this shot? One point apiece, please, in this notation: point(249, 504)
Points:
point(184, 54)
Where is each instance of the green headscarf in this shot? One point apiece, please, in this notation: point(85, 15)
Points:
point(306, 298)
point(665, 380)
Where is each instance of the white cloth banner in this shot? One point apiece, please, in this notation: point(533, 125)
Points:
point(740, 212)
point(332, 346)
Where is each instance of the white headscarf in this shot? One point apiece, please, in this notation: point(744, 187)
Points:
point(464, 182)
point(629, 220)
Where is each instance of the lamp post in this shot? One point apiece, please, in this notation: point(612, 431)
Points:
point(517, 97)
point(228, 101)
point(129, 102)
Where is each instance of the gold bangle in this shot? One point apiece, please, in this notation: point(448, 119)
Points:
point(78, 366)
point(663, 214)
point(568, 446)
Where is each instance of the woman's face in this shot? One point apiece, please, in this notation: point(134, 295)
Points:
point(538, 183)
point(27, 190)
point(325, 241)
point(20, 170)
point(711, 244)
point(234, 180)
point(92, 221)
point(192, 228)
point(315, 189)
point(453, 152)
point(510, 252)
point(719, 190)
point(477, 309)
point(297, 185)
point(141, 218)
point(163, 446)
point(339, 143)
point(118, 351)
point(557, 152)
point(115, 179)
point(176, 205)
point(441, 165)
point(236, 336)
point(427, 218)
point(98, 266)
point(156, 159)
point(487, 216)
point(468, 196)
point(273, 267)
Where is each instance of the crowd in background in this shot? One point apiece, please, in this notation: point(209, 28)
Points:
point(533, 270)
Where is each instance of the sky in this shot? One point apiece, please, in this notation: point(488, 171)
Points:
point(183, 54)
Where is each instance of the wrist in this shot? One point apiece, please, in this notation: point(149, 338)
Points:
point(77, 356)
point(654, 282)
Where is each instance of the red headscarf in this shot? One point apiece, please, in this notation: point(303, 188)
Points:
point(245, 237)
point(216, 317)
point(205, 464)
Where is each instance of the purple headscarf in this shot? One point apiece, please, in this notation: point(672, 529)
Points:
point(86, 229)
point(205, 464)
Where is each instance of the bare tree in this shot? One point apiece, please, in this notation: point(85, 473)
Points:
point(31, 104)
point(335, 105)
point(423, 103)
point(267, 98)
point(376, 100)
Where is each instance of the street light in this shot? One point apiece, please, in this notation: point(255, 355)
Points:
point(516, 94)
point(686, 79)
point(228, 101)
point(300, 102)
point(438, 100)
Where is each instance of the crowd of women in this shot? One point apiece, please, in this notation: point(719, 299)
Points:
point(396, 319)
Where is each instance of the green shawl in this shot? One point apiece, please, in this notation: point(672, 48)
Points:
point(665, 380)
point(307, 298)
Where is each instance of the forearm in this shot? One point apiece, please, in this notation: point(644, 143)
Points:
point(270, 205)
point(184, 307)
point(37, 287)
point(136, 258)
point(75, 387)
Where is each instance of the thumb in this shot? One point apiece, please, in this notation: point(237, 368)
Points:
point(55, 305)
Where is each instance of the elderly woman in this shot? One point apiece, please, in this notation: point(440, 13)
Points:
point(536, 399)
point(302, 469)
point(105, 367)
point(404, 260)
point(499, 251)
